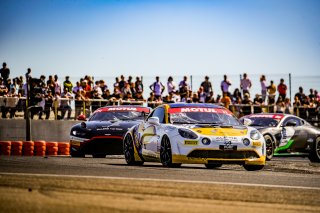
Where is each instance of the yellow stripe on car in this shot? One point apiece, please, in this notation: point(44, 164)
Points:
point(221, 131)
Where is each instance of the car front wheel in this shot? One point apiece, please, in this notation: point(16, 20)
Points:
point(269, 147)
point(166, 153)
point(128, 151)
point(314, 155)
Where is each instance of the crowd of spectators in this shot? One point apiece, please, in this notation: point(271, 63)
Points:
point(49, 94)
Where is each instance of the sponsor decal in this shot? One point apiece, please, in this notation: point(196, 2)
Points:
point(199, 109)
point(191, 142)
point(120, 109)
point(256, 143)
point(277, 117)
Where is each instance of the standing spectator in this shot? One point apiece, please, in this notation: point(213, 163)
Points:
point(316, 96)
point(51, 84)
point(171, 85)
point(116, 84)
point(103, 86)
point(263, 87)
point(122, 82)
point(65, 105)
point(87, 88)
point(282, 89)
point(132, 86)
point(225, 85)
point(97, 88)
point(311, 95)
point(157, 88)
point(5, 73)
point(138, 85)
point(206, 85)
point(57, 85)
point(48, 103)
point(96, 104)
point(67, 84)
point(272, 89)
point(245, 84)
point(202, 95)
point(300, 95)
point(184, 86)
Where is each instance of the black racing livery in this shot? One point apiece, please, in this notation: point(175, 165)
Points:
point(286, 134)
point(103, 133)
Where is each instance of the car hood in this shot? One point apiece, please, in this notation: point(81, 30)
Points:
point(220, 131)
point(107, 125)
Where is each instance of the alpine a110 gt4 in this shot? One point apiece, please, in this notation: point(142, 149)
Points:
point(103, 133)
point(207, 134)
point(286, 134)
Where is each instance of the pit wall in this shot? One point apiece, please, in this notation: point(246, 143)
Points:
point(47, 130)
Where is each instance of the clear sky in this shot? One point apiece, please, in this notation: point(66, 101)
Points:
point(164, 37)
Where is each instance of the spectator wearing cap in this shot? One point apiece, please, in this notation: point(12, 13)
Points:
point(67, 84)
point(5, 73)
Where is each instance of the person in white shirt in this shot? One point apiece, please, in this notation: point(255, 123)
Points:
point(225, 85)
point(245, 84)
point(171, 85)
point(263, 83)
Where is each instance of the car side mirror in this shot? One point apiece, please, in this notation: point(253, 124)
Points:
point(291, 123)
point(154, 121)
point(247, 121)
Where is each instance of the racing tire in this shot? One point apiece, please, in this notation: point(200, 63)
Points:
point(270, 147)
point(314, 155)
point(213, 165)
point(99, 155)
point(128, 151)
point(253, 167)
point(166, 153)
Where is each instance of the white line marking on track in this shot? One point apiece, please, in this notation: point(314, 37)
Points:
point(163, 180)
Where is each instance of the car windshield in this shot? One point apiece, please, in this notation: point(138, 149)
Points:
point(117, 115)
point(266, 122)
point(211, 116)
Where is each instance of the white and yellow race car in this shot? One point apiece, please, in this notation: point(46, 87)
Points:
point(208, 134)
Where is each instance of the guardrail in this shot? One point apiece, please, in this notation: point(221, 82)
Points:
point(12, 105)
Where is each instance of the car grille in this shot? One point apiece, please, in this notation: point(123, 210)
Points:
point(230, 154)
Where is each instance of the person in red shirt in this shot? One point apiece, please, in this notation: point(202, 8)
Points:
point(282, 89)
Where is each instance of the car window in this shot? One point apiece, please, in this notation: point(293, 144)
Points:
point(158, 112)
point(293, 119)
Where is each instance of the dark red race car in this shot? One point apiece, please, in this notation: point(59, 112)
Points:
point(102, 134)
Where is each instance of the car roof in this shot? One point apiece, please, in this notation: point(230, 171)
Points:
point(206, 105)
point(274, 115)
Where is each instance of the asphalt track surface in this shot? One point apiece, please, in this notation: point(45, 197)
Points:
point(64, 184)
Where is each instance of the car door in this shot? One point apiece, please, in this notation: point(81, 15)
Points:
point(292, 134)
point(151, 133)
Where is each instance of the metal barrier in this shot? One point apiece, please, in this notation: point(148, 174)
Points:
point(15, 107)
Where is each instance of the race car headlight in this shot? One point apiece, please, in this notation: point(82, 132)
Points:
point(206, 141)
point(186, 133)
point(254, 135)
point(77, 133)
point(246, 142)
